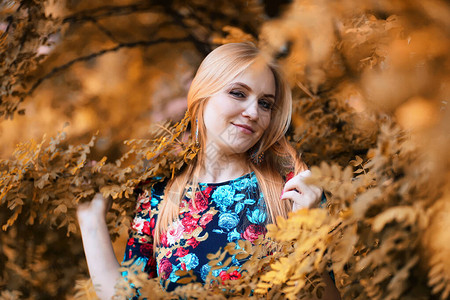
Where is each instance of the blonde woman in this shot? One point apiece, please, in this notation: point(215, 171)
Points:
point(240, 108)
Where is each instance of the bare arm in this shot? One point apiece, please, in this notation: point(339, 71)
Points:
point(102, 263)
point(308, 196)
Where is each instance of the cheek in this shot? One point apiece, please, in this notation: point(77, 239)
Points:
point(265, 121)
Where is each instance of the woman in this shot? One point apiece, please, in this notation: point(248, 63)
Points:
point(240, 109)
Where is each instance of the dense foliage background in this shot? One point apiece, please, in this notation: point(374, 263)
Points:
point(371, 88)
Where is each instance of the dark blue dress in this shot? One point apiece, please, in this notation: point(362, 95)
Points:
point(217, 214)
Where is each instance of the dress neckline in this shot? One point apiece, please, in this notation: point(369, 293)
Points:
point(248, 175)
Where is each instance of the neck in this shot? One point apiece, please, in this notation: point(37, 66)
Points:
point(219, 166)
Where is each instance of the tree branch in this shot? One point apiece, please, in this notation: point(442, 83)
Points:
point(104, 30)
point(201, 46)
point(99, 53)
point(107, 11)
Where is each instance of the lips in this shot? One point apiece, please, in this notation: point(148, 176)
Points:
point(247, 128)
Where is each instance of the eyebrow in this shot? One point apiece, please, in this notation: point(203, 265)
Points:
point(249, 88)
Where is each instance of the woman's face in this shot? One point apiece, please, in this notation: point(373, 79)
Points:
point(237, 116)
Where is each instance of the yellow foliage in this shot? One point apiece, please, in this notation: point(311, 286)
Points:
point(358, 70)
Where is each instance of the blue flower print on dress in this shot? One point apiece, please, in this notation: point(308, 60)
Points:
point(223, 196)
point(256, 216)
point(228, 221)
point(241, 184)
point(241, 204)
point(261, 201)
point(233, 236)
point(154, 201)
point(245, 184)
point(190, 260)
point(216, 272)
point(172, 276)
point(204, 271)
point(239, 207)
point(238, 197)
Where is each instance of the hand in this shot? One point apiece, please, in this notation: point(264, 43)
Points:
point(302, 195)
point(95, 209)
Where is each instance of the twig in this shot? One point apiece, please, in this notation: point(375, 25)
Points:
point(202, 47)
point(106, 11)
point(99, 53)
point(106, 31)
point(169, 132)
point(10, 21)
point(305, 89)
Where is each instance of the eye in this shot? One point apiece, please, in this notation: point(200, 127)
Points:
point(237, 94)
point(265, 104)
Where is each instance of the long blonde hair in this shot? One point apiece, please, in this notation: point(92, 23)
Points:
point(219, 68)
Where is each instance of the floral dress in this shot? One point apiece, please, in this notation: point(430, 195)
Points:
point(217, 214)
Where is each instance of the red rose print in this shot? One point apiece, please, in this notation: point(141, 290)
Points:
point(138, 224)
point(200, 201)
point(152, 274)
point(146, 250)
point(165, 268)
point(230, 276)
point(143, 197)
point(207, 191)
point(181, 252)
point(164, 240)
point(175, 232)
point(130, 242)
point(152, 226)
point(145, 206)
point(189, 223)
point(150, 268)
point(183, 266)
point(192, 242)
point(142, 201)
point(253, 231)
point(224, 275)
point(151, 263)
point(205, 219)
point(182, 204)
point(235, 275)
point(146, 228)
point(289, 176)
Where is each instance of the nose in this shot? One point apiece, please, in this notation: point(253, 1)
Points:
point(251, 111)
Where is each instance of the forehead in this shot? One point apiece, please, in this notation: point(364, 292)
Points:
point(259, 77)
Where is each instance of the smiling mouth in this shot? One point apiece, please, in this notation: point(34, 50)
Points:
point(244, 128)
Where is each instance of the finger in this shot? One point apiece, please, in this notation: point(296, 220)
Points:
point(291, 195)
point(306, 200)
point(317, 190)
point(296, 183)
point(291, 183)
point(298, 201)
